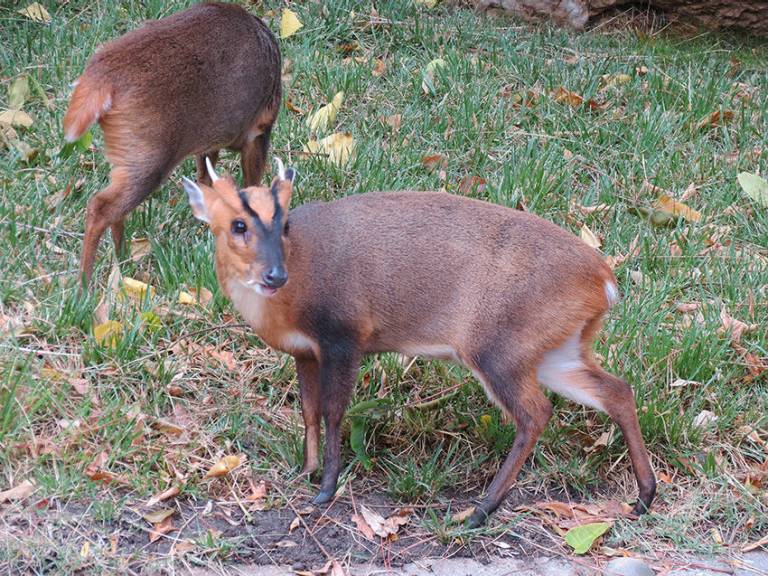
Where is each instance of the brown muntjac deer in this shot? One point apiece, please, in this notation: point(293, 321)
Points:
point(193, 83)
point(512, 297)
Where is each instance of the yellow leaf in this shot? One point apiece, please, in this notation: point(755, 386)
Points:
point(136, 289)
point(485, 420)
point(325, 115)
point(224, 466)
point(428, 75)
point(289, 23)
point(589, 237)
point(36, 12)
point(337, 148)
point(427, 3)
point(85, 549)
point(673, 207)
point(16, 118)
point(108, 333)
point(186, 298)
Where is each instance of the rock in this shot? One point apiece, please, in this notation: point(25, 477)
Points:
point(627, 567)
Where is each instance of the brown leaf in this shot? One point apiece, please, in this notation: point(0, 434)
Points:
point(471, 184)
point(689, 192)
point(385, 528)
point(18, 492)
point(459, 517)
point(161, 528)
point(362, 526)
point(164, 495)
point(292, 107)
point(379, 67)
point(258, 491)
point(294, 524)
point(563, 96)
point(394, 122)
point(140, 247)
point(734, 327)
point(715, 119)
point(434, 161)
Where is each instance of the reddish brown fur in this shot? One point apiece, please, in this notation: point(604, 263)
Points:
point(514, 298)
point(200, 80)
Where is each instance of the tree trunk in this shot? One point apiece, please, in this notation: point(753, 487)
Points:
point(751, 15)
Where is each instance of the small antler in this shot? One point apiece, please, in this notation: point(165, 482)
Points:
point(211, 171)
point(280, 168)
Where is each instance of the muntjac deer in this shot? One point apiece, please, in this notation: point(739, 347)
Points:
point(193, 83)
point(512, 297)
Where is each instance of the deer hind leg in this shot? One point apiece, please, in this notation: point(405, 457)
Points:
point(513, 387)
point(253, 157)
point(571, 371)
point(202, 170)
point(109, 207)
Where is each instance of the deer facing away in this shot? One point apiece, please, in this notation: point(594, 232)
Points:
point(193, 83)
point(516, 299)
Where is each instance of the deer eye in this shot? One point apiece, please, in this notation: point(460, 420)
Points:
point(286, 227)
point(239, 227)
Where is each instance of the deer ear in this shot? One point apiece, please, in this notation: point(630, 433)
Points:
point(290, 174)
point(196, 199)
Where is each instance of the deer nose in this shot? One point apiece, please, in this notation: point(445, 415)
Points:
point(275, 277)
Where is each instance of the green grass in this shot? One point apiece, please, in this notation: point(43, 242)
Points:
point(546, 155)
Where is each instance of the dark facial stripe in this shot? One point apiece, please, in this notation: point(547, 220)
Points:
point(270, 239)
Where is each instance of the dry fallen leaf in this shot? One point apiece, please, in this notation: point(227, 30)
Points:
point(292, 107)
point(16, 118)
point(704, 418)
point(563, 96)
point(459, 517)
point(734, 327)
point(394, 121)
point(380, 526)
point(289, 23)
point(294, 524)
point(471, 184)
point(140, 247)
point(157, 516)
point(715, 119)
point(136, 289)
point(36, 12)
point(18, 492)
point(225, 466)
point(363, 526)
point(161, 528)
point(672, 207)
point(433, 161)
point(338, 148)
point(681, 383)
point(325, 116)
point(379, 68)
point(589, 237)
point(258, 491)
point(164, 495)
